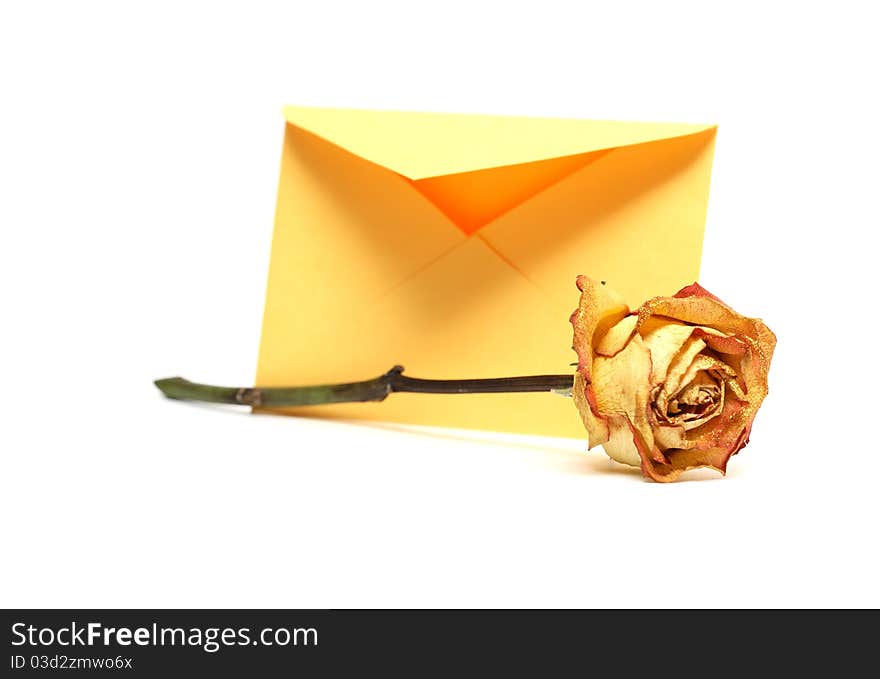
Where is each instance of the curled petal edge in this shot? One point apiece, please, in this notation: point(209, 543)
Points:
point(681, 461)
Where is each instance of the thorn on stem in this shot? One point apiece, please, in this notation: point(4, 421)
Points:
point(249, 397)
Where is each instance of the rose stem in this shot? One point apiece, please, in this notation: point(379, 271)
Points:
point(376, 389)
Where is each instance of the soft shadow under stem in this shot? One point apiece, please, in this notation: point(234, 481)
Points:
point(376, 389)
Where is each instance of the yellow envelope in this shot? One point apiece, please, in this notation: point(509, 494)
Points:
point(450, 244)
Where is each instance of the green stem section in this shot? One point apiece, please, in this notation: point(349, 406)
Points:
point(376, 389)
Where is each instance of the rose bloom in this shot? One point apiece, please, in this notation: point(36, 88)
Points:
point(672, 386)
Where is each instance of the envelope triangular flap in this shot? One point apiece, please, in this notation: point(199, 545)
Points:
point(473, 199)
point(421, 145)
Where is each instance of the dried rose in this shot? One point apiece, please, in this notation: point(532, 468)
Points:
point(672, 386)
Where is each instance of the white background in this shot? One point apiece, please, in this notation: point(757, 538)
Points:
point(139, 152)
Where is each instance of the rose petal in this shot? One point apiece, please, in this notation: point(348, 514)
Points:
point(650, 456)
point(735, 386)
point(766, 341)
point(723, 432)
point(671, 436)
point(664, 339)
point(595, 422)
point(705, 311)
point(695, 290)
point(617, 336)
point(600, 308)
point(702, 362)
point(709, 415)
point(681, 461)
point(716, 457)
point(679, 366)
point(622, 387)
point(718, 341)
point(621, 446)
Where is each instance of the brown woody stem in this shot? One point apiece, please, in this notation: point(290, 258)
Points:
point(376, 389)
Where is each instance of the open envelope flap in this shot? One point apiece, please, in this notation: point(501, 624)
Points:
point(422, 145)
point(473, 199)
